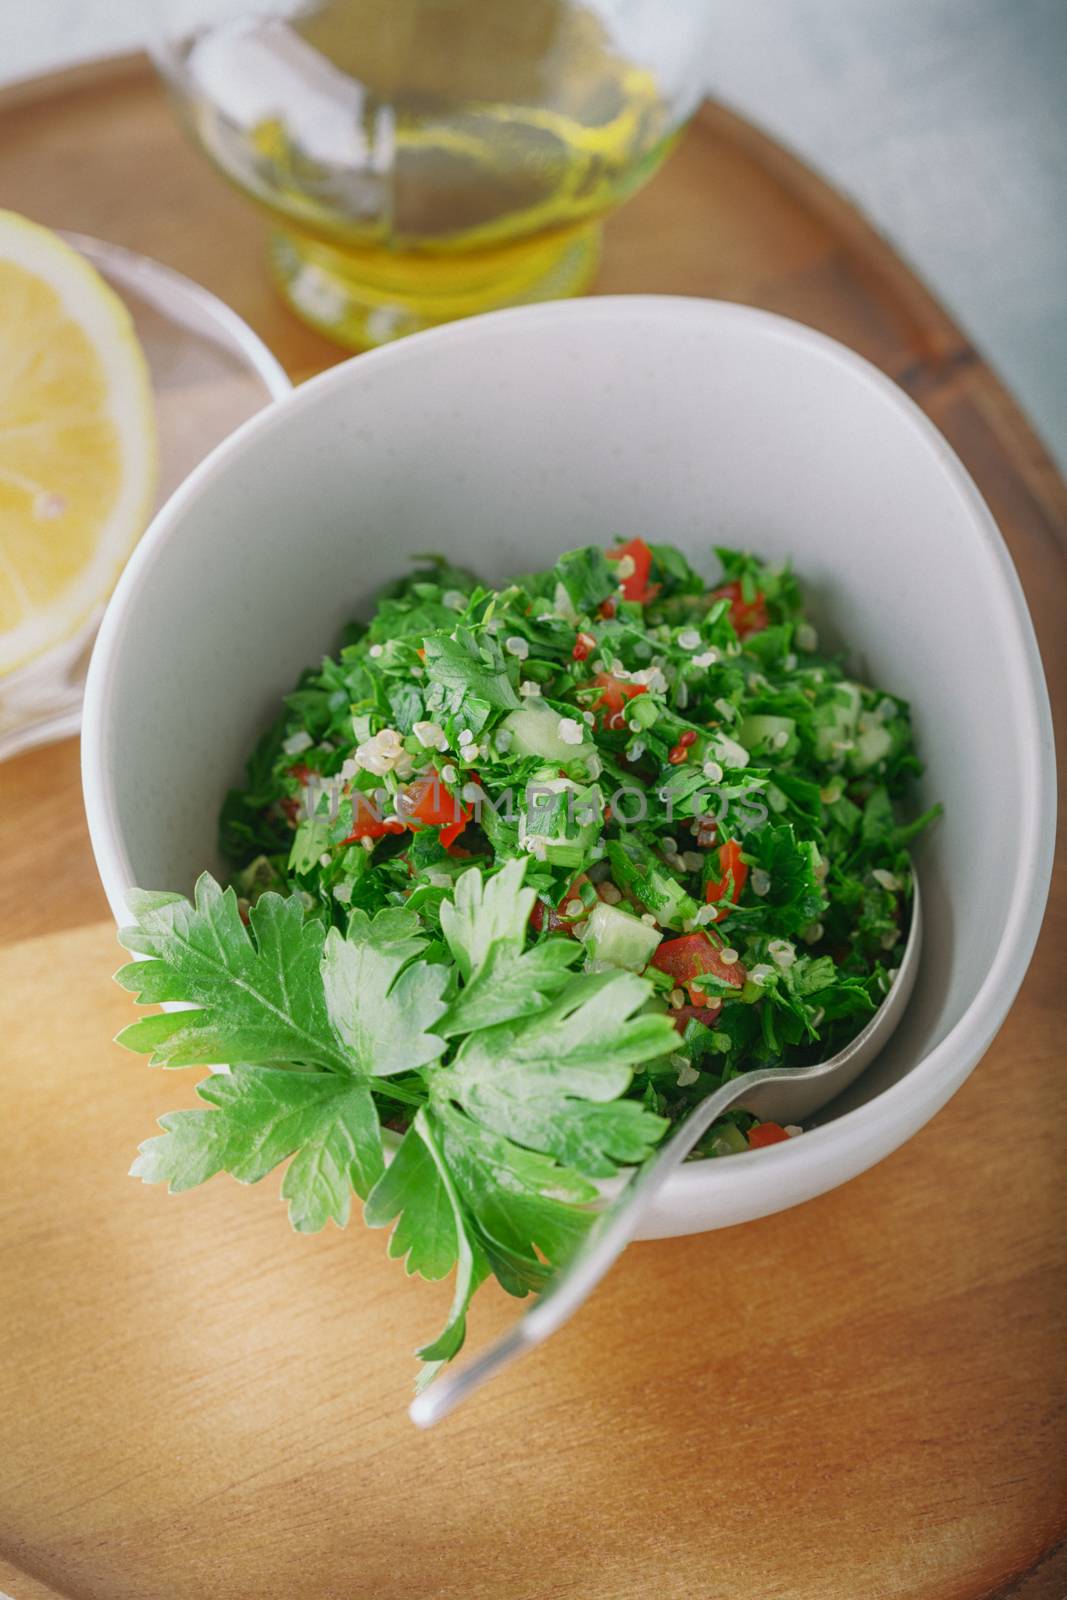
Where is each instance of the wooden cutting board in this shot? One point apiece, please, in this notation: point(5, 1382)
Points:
point(861, 1399)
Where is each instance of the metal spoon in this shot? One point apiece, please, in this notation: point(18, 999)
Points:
point(779, 1094)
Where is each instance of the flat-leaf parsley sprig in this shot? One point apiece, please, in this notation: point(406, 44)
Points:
point(512, 1063)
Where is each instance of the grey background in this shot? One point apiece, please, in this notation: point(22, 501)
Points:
point(946, 120)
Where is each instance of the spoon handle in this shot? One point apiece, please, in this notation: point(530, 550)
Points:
point(603, 1245)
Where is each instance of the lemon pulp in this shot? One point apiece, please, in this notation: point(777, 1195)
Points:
point(77, 440)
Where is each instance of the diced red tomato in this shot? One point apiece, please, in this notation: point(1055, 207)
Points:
point(636, 585)
point(607, 609)
point(552, 917)
point(289, 802)
point(690, 957)
point(747, 616)
point(734, 874)
point(679, 752)
point(584, 645)
point(614, 693)
point(449, 835)
point(707, 1014)
point(428, 801)
point(366, 823)
point(765, 1133)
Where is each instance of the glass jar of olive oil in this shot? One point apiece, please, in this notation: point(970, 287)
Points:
point(425, 159)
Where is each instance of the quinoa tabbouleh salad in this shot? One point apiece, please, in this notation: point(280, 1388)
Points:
point(520, 875)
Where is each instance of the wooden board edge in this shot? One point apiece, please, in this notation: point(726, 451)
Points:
point(18, 1584)
point(1045, 1579)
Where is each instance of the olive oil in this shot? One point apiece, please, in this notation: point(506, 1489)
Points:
point(425, 159)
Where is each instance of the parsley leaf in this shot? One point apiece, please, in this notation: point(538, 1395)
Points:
point(357, 1006)
point(588, 577)
point(382, 1007)
point(466, 665)
point(257, 991)
point(795, 896)
point(484, 914)
point(551, 1081)
point(510, 986)
point(328, 1123)
point(485, 926)
point(431, 1232)
point(524, 1207)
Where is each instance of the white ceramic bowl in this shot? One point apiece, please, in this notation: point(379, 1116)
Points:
point(506, 439)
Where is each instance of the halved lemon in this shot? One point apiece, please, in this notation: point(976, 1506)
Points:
point(77, 440)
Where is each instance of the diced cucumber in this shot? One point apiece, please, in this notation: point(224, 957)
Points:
point(762, 732)
point(669, 902)
point(872, 746)
point(726, 751)
point(637, 870)
point(561, 821)
point(618, 938)
point(835, 721)
point(534, 730)
point(642, 712)
point(727, 1141)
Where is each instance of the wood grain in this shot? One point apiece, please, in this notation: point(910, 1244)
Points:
point(859, 1397)
point(863, 1397)
point(48, 879)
